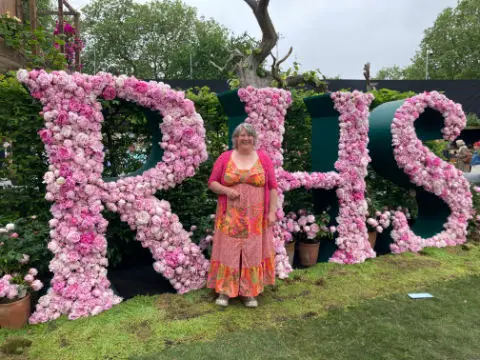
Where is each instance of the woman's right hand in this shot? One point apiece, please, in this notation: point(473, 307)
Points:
point(232, 194)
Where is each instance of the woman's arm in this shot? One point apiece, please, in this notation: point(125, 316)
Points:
point(220, 189)
point(272, 217)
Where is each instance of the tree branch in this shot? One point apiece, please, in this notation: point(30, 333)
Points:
point(236, 52)
point(252, 4)
point(285, 57)
point(269, 35)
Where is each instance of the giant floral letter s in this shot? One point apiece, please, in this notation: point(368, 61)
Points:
point(397, 130)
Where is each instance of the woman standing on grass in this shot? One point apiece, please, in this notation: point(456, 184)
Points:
point(243, 254)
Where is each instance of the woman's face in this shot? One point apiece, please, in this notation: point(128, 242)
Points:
point(245, 141)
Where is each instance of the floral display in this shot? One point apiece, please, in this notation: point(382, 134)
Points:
point(266, 109)
point(379, 221)
point(73, 143)
point(427, 170)
point(305, 227)
point(17, 278)
point(72, 138)
point(266, 113)
point(72, 42)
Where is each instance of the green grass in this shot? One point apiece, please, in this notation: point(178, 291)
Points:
point(396, 327)
point(312, 304)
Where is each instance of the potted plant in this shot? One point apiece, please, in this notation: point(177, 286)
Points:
point(377, 221)
point(17, 278)
point(308, 230)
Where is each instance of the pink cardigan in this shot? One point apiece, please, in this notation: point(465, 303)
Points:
point(218, 174)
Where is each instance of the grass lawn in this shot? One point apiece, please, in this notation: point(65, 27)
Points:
point(329, 311)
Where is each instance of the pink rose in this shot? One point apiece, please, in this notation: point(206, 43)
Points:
point(64, 153)
point(87, 238)
point(62, 119)
point(141, 87)
point(109, 93)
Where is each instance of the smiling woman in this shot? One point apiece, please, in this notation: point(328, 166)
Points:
point(243, 255)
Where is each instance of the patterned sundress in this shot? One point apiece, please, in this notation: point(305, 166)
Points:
point(243, 255)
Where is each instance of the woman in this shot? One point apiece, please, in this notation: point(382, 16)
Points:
point(243, 254)
point(464, 156)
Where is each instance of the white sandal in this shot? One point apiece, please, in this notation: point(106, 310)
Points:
point(250, 302)
point(222, 300)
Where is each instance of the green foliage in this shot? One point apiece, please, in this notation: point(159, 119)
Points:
point(155, 40)
point(19, 123)
point(383, 194)
point(126, 137)
point(474, 223)
point(473, 120)
point(32, 240)
point(437, 147)
point(297, 148)
point(452, 44)
point(390, 73)
point(386, 95)
point(20, 37)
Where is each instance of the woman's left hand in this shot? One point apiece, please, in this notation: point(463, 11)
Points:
point(272, 218)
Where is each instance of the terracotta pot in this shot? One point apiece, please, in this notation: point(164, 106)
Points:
point(308, 253)
point(15, 315)
point(372, 238)
point(290, 247)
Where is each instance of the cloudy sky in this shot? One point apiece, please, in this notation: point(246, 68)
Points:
point(336, 36)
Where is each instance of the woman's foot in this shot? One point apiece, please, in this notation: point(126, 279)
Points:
point(250, 301)
point(222, 300)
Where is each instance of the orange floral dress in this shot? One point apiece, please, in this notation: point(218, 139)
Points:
point(243, 254)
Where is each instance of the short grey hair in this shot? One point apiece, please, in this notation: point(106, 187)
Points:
point(248, 129)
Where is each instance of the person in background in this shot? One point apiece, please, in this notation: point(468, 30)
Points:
point(464, 156)
point(475, 163)
point(243, 253)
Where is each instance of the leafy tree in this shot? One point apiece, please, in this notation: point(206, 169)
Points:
point(394, 72)
point(452, 44)
point(154, 40)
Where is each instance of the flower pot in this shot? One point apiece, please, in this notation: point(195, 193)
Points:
point(308, 253)
point(372, 238)
point(290, 247)
point(15, 315)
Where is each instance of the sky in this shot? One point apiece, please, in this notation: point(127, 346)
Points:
point(335, 36)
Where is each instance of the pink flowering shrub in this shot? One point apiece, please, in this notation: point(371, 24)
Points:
point(379, 221)
point(72, 42)
point(17, 277)
point(304, 227)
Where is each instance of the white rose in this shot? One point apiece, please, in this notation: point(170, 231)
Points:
point(60, 180)
point(48, 177)
point(10, 227)
point(22, 75)
point(66, 131)
point(142, 218)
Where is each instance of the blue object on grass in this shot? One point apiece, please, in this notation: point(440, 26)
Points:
point(420, 295)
